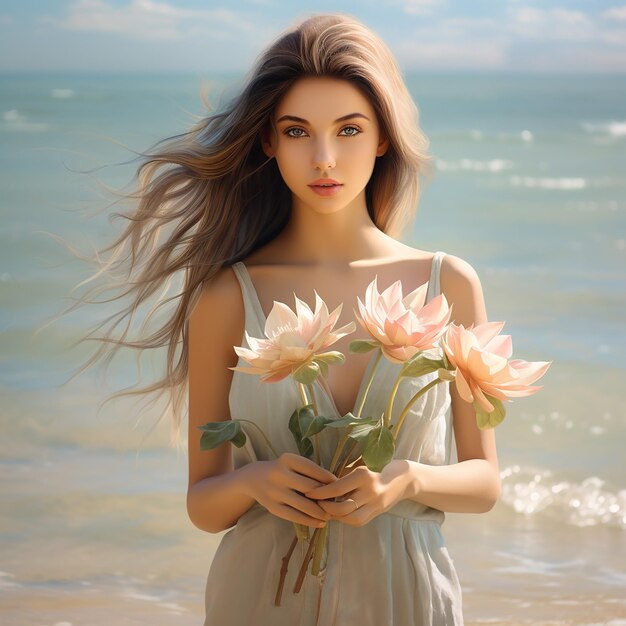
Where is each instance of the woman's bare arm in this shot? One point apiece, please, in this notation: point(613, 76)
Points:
point(473, 484)
point(218, 495)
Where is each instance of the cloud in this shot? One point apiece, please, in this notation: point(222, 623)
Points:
point(150, 20)
point(519, 38)
point(463, 43)
point(441, 55)
point(557, 23)
point(421, 7)
point(615, 13)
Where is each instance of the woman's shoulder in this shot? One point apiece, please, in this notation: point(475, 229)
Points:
point(221, 292)
point(222, 285)
point(459, 282)
point(457, 272)
point(462, 287)
point(454, 271)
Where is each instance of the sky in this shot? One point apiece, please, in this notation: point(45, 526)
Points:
point(213, 36)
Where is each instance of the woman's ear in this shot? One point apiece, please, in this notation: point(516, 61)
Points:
point(383, 145)
point(267, 144)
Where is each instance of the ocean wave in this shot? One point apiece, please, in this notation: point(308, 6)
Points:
point(564, 184)
point(492, 166)
point(612, 128)
point(6, 583)
point(475, 134)
point(14, 122)
point(530, 491)
point(62, 94)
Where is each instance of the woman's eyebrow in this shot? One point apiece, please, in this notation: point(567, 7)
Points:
point(293, 118)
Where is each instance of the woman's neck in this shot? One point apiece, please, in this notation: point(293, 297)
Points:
point(337, 238)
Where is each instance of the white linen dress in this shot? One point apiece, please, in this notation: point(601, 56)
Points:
point(393, 571)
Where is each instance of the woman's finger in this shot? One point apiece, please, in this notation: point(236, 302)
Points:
point(302, 483)
point(294, 515)
point(308, 468)
point(340, 487)
point(338, 509)
point(309, 507)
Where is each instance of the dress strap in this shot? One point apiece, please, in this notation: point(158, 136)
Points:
point(251, 302)
point(434, 282)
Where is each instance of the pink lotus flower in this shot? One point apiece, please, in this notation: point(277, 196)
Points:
point(403, 326)
point(484, 372)
point(294, 341)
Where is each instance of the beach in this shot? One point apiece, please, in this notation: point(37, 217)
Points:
point(529, 189)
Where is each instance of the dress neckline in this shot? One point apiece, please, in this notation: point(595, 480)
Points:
point(321, 382)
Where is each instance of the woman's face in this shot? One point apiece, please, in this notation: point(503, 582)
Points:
point(326, 129)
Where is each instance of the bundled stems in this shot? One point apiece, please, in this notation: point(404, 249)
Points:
point(283, 572)
point(320, 541)
point(305, 562)
point(345, 460)
point(346, 435)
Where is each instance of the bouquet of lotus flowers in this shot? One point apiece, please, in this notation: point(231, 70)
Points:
point(403, 330)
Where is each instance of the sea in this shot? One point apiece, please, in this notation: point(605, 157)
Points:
point(529, 188)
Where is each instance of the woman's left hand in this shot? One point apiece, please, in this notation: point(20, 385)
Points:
point(374, 492)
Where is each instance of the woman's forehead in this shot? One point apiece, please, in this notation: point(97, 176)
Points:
point(323, 98)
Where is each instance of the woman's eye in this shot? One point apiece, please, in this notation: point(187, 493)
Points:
point(352, 128)
point(289, 132)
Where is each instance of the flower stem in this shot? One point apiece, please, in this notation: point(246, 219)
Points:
point(305, 400)
point(345, 460)
point(369, 383)
point(348, 430)
point(283, 571)
point(319, 550)
point(316, 437)
point(411, 402)
point(392, 396)
point(340, 445)
point(271, 447)
point(305, 562)
point(311, 391)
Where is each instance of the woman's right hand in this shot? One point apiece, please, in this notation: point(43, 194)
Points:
point(278, 485)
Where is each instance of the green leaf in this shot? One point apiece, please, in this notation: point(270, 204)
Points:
point(305, 416)
point(363, 345)
point(298, 422)
point(421, 364)
point(348, 419)
point(486, 420)
point(379, 448)
point(307, 373)
point(217, 433)
point(323, 367)
point(333, 357)
point(361, 432)
point(317, 425)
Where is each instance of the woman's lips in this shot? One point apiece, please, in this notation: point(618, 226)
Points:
point(326, 190)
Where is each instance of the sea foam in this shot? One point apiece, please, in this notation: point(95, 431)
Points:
point(531, 491)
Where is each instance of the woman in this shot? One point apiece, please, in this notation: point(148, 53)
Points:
point(303, 182)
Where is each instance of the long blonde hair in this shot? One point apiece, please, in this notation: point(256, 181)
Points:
point(210, 196)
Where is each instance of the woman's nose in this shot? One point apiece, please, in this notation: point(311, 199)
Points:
point(323, 157)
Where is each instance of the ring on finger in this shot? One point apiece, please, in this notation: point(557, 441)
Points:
point(356, 505)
